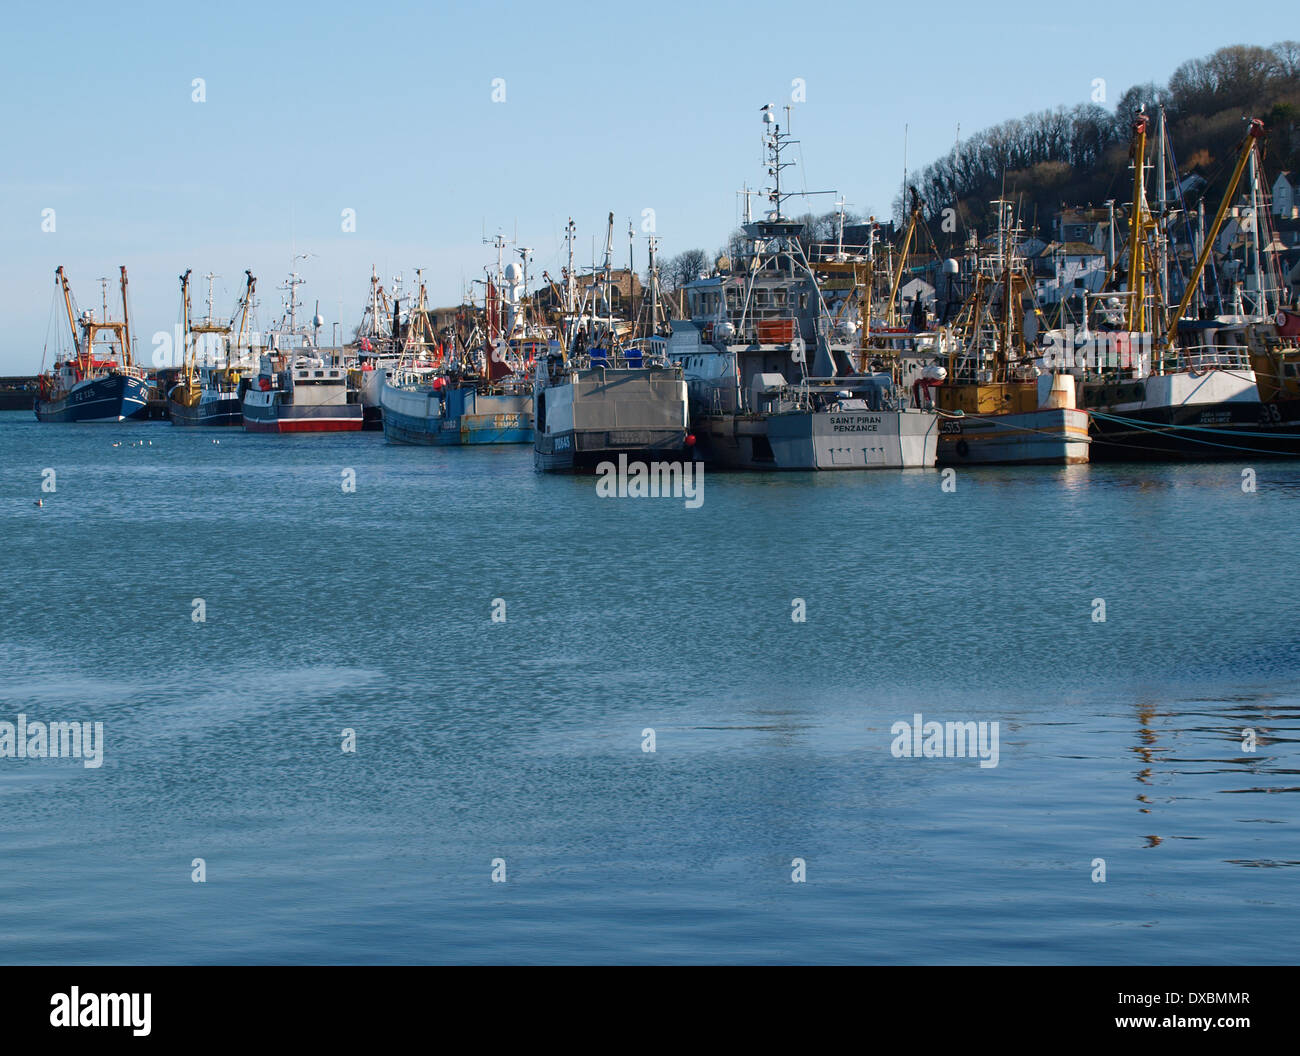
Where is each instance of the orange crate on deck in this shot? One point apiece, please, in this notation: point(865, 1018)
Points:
point(775, 331)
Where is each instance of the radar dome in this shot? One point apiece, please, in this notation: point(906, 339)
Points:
point(513, 272)
point(950, 267)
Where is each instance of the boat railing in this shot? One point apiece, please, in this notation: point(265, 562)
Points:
point(808, 392)
point(1208, 356)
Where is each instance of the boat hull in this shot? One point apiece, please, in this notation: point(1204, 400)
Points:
point(225, 412)
point(593, 415)
point(1052, 436)
point(277, 417)
point(582, 451)
point(822, 440)
point(116, 398)
point(421, 417)
point(369, 393)
point(1214, 415)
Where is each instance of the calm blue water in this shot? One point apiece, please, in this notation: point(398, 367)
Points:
point(522, 740)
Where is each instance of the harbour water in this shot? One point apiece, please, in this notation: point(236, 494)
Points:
point(371, 610)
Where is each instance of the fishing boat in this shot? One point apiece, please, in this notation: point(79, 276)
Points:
point(601, 393)
point(218, 364)
point(479, 394)
point(450, 408)
point(770, 366)
point(997, 406)
point(296, 390)
point(388, 338)
point(1275, 359)
point(98, 380)
point(1168, 385)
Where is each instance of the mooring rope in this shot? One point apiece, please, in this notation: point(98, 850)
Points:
point(1171, 429)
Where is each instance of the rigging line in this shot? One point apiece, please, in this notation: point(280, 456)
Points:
point(49, 323)
point(1195, 428)
point(1208, 443)
point(1171, 430)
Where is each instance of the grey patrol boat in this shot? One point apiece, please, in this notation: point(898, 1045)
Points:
point(603, 392)
point(769, 361)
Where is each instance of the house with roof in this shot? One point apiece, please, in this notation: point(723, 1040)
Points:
point(1067, 269)
point(1286, 194)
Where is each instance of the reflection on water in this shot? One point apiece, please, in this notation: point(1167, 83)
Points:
point(523, 740)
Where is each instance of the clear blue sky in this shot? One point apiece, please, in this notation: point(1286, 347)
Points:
point(387, 109)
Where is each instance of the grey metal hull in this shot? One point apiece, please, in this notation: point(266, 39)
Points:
point(821, 440)
point(595, 414)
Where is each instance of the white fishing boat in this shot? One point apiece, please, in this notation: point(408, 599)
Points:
point(296, 390)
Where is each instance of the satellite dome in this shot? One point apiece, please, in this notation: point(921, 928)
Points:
point(950, 267)
point(513, 272)
point(317, 320)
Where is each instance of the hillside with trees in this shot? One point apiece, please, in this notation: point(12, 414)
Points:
point(1080, 155)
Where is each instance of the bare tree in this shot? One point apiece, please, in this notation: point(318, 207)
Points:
point(684, 268)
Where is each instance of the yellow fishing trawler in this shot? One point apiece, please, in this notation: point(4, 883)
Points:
point(998, 403)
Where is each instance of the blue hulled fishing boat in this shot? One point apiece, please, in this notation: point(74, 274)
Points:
point(97, 381)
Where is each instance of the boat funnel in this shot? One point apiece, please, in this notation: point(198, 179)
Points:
point(1055, 390)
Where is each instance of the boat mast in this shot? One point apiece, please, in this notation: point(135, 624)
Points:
point(1261, 299)
point(912, 221)
point(1162, 245)
point(126, 324)
point(187, 344)
point(250, 284)
point(1136, 321)
point(569, 292)
point(1005, 244)
point(631, 271)
point(654, 285)
point(67, 302)
point(1255, 131)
